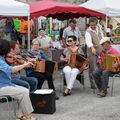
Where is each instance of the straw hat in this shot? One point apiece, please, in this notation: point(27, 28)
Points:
point(104, 39)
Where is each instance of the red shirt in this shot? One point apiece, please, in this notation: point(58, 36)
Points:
point(111, 50)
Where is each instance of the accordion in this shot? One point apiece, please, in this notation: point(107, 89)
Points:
point(79, 61)
point(40, 65)
point(46, 66)
point(109, 60)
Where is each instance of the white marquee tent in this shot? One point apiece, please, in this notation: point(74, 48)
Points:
point(15, 8)
point(108, 7)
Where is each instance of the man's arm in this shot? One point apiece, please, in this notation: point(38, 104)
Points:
point(64, 37)
point(89, 43)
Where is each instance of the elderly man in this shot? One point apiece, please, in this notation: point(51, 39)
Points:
point(101, 75)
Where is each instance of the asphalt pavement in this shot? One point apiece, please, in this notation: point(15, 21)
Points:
point(83, 104)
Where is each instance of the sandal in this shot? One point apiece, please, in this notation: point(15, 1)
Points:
point(67, 92)
point(23, 117)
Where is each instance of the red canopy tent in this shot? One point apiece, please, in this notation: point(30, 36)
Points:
point(61, 11)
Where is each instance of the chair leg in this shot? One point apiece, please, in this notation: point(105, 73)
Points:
point(82, 81)
point(61, 81)
point(94, 84)
point(112, 85)
point(8, 106)
point(14, 107)
point(61, 87)
point(7, 102)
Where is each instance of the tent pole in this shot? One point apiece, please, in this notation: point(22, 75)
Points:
point(106, 22)
point(28, 32)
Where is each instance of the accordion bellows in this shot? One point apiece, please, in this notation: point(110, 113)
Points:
point(40, 65)
point(79, 61)
point(109, 60)
point(46, 66)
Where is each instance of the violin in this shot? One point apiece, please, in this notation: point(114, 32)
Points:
point(14, 59)
point(19, 59)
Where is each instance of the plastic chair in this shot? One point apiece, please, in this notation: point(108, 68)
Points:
point(7, 99)
point(113, 76)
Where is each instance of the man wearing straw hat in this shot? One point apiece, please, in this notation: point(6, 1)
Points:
point(101, 76)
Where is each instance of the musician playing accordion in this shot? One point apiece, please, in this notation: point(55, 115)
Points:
point(70, 70)
point(101, 75)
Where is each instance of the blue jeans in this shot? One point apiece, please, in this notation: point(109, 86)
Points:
point(101, 78)
point(28, 82)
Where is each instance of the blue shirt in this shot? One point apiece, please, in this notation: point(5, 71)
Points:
point(69, 31)
point(38, 52)
point(5, 73)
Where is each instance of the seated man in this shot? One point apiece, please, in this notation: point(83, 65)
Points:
point(101, 76)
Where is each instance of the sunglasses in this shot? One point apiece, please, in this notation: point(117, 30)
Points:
point(69, 40)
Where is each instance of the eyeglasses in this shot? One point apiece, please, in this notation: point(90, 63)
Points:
point(69, 40)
